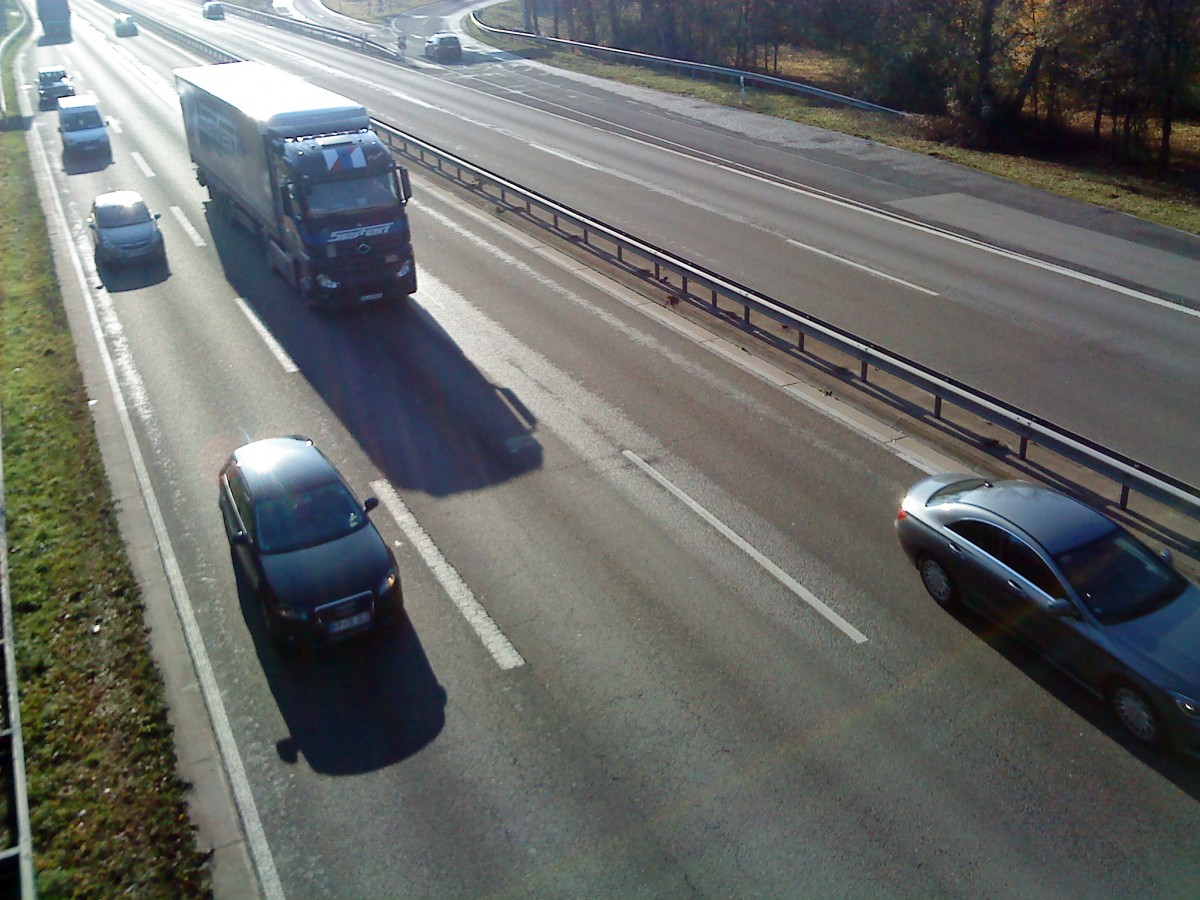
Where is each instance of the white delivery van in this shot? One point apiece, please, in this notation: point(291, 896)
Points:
point(83, 128)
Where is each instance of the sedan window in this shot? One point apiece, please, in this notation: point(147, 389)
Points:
point(987, 538)
point(1023, 560)
point(1119, 578)
point(293, 521)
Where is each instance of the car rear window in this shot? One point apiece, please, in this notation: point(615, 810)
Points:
point(952, 492)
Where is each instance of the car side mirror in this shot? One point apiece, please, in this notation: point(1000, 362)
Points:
point(370, 503)
point(240, 537)
point(158, 215)
point(1165, 555)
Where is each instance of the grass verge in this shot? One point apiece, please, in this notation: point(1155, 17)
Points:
point(107, 806)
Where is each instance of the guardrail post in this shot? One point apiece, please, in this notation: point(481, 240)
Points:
point(713, 304)
point(937, 407)
point(1124, 496)
point(862, 371)
point(799, 340)
point(1024, 447)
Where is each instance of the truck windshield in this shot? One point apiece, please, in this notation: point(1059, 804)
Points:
point(333, 197)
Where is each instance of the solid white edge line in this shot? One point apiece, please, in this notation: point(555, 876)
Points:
point(745, 546)
point(188, 227)
point(256, 839)
point(860, 266)
point(501, 649)
point(142, 164)
point(269, 339)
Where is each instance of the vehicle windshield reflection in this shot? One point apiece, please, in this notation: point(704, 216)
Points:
point(295, 521)
point(1118, 578)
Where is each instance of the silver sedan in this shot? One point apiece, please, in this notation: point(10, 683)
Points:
point(1074, 585)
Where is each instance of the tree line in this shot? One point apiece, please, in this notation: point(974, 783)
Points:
point(1012, 70)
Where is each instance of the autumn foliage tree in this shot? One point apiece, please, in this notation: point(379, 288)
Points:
point(1006, 68)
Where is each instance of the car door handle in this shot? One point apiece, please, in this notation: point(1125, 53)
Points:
point(1016, 588)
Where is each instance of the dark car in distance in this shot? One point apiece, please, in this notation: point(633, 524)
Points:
point(305, 546)
point(1072, 584)
point(53, 83)
point(124, 25)
point(443, 47)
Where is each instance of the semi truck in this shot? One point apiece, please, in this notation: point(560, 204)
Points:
point(55, 16)
point(301, 167)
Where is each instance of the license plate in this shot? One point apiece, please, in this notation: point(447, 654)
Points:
point(339, 625)
point(367, 298)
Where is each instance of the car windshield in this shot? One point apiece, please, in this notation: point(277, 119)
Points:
point(78, 120)
point(1119, 578)
point(333, 197)
point(49, 76)
point(119, 216)
point(293, 521)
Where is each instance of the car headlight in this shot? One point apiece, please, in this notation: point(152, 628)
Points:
point(324, 281)
point(389, 582)
point(1187, 705)
point(292, 613)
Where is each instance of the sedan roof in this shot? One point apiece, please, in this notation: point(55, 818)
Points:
point(1054, 520)
point(283, 465)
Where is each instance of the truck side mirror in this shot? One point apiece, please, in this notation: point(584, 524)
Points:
point(405, 187)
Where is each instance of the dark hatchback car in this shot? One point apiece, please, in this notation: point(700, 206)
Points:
point(443, 47)
point(305, 544)
point(1070, 582)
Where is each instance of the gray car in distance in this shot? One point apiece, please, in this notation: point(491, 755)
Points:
point(1072, 584)
point(124, 230)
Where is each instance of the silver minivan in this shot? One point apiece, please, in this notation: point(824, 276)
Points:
point(83, 128)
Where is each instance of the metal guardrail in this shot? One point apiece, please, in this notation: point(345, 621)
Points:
point(689, 279)
point(740, 77)
point(16, 860)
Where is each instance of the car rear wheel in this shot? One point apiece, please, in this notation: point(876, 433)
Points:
point(1135, 713)
point(937, 581)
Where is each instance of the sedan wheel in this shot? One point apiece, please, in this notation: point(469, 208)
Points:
point(1135, 713)
point(937, 581)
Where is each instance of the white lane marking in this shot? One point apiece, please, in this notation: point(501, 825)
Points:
point(849, 262)
point(268, 338)
point(188, 227)
point(503, 652)
point(235, 770)
point(745, 546)
point(142, 164)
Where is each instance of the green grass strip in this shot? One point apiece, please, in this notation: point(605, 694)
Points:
point(107, 806)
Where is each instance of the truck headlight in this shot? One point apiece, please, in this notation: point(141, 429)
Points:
point(404, 269)
point(327, 283)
